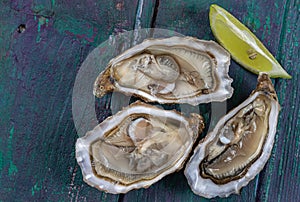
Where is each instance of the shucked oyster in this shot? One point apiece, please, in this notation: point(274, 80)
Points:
point(136, 147)
point(239, 146)
point(171, 70)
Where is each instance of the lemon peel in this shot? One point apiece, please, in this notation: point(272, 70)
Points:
point(242, 44)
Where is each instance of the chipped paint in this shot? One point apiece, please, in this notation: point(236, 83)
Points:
point(12, 167)
point(267, 25)
point(35, 188)
point(68, 42)
point(41, 21)
point(78, 28)
point(1, 160)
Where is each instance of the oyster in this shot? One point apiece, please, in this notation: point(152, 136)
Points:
point(136, 147)
point(171, 70)
point(239, 146)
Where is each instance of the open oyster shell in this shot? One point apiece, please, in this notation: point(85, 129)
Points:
point(171, 70)
point(136, 147)
point(238, 147)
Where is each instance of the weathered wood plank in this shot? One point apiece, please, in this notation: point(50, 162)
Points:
point(281, 178)
point(38, 69)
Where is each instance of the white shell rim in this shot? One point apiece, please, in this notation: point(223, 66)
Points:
point(224, 89)
point(206, 187)
point(83, 155)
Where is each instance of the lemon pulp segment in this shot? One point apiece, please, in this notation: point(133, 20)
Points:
point(242, 44)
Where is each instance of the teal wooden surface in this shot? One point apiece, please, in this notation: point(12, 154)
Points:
point(38, 69)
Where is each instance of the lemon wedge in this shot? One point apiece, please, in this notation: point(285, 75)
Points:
point(242, 44)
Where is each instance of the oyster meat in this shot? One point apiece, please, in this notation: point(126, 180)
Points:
point(171, 70)
point(238, 147)
point(136, 147)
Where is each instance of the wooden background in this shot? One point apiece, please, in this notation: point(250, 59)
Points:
point(38, 67)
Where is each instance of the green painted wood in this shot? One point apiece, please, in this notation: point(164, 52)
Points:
point(38, 69)
point(280, 180)
point(37, 72)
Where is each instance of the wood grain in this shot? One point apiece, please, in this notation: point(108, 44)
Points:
point(280, 180)
point(38, 69)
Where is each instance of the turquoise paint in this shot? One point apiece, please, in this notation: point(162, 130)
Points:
point(253, 21)
point(41, 21)
point(35, 188)
point(38, 37)
point(11, 132)
point(267, 26)
point(9, 143)
point(39, 8)
point(12, 167)
point(1, 161)
point(257, 23)
point(78, 28)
